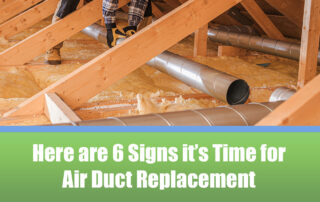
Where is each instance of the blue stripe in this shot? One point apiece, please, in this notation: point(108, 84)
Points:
point(154, 129)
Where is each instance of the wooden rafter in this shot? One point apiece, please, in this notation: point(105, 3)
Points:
point(95, 76)
point(53, 34)
point(262, 19)
point(57, 111)
point(156, 11)
point(292, 9)
point(309, 42)
point(13, 8)
point(4, 2)
point(173, 3)
point(28, 18)
point(182, 1)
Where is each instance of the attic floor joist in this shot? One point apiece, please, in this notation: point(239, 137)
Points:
point(101, 72)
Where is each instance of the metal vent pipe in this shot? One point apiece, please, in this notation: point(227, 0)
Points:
point(281, 94)
point(213, 82)
point(264, 45)
point(238, 115)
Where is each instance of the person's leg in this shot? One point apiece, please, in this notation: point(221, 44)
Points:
point(147, 17)
point(64, 8)
point(109, 8)
point(137, 9)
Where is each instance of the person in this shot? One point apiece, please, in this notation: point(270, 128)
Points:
point(136, 13)
point(147, 17)
point(64, 8)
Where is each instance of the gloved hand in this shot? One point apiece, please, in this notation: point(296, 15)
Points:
point(130, 30)
point(113, 34)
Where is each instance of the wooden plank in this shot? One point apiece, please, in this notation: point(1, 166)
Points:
point(309, 42)
point(182, 1)
point(173, 3)
point(91, 78)
point(156, 11)
point(28, 18)
point(81, 4)
point(292, 9)
point(302, 109)
point(5, 2)
point(201, 41)
point(14, 8)
point(23, 120)
point(53, 34)
point(262, 19)
point(57, 111)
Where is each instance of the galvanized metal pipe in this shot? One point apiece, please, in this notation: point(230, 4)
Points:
point(243, 29)
point(213, 82)
point(281, 94)
point(264, 45)
point(238, 115)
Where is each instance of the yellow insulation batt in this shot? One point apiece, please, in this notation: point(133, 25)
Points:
point(145, 90)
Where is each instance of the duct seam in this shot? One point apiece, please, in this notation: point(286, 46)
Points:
point(237, 112)
point(256, 103)
point(204, 117)
point(119, 120)
point(164, 119)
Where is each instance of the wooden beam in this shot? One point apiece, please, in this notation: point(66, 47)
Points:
point(201, 41)
point(81, 4)
point(302, 109)
point(14, 8)
point(309, 42)
point(23, 120)
point(292, 9)
point(173, 3)
point(156, 11)
point(5, 2)
point(262, 19)
point(57, 111)
point(53, 34)
point(95, 76)
point(28, 18)
point(182, 1)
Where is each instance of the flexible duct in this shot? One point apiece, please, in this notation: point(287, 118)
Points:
point(281, 94)
point(215, 83)
point(264, 45)
point(238, 115)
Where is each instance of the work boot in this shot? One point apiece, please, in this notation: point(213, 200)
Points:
point(113, 34)
point(53, 57)
point(130, 30)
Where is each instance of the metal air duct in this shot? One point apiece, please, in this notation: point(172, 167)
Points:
point(264, 45)
point(281, 94)
point(213, 82)
point(238, 115)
